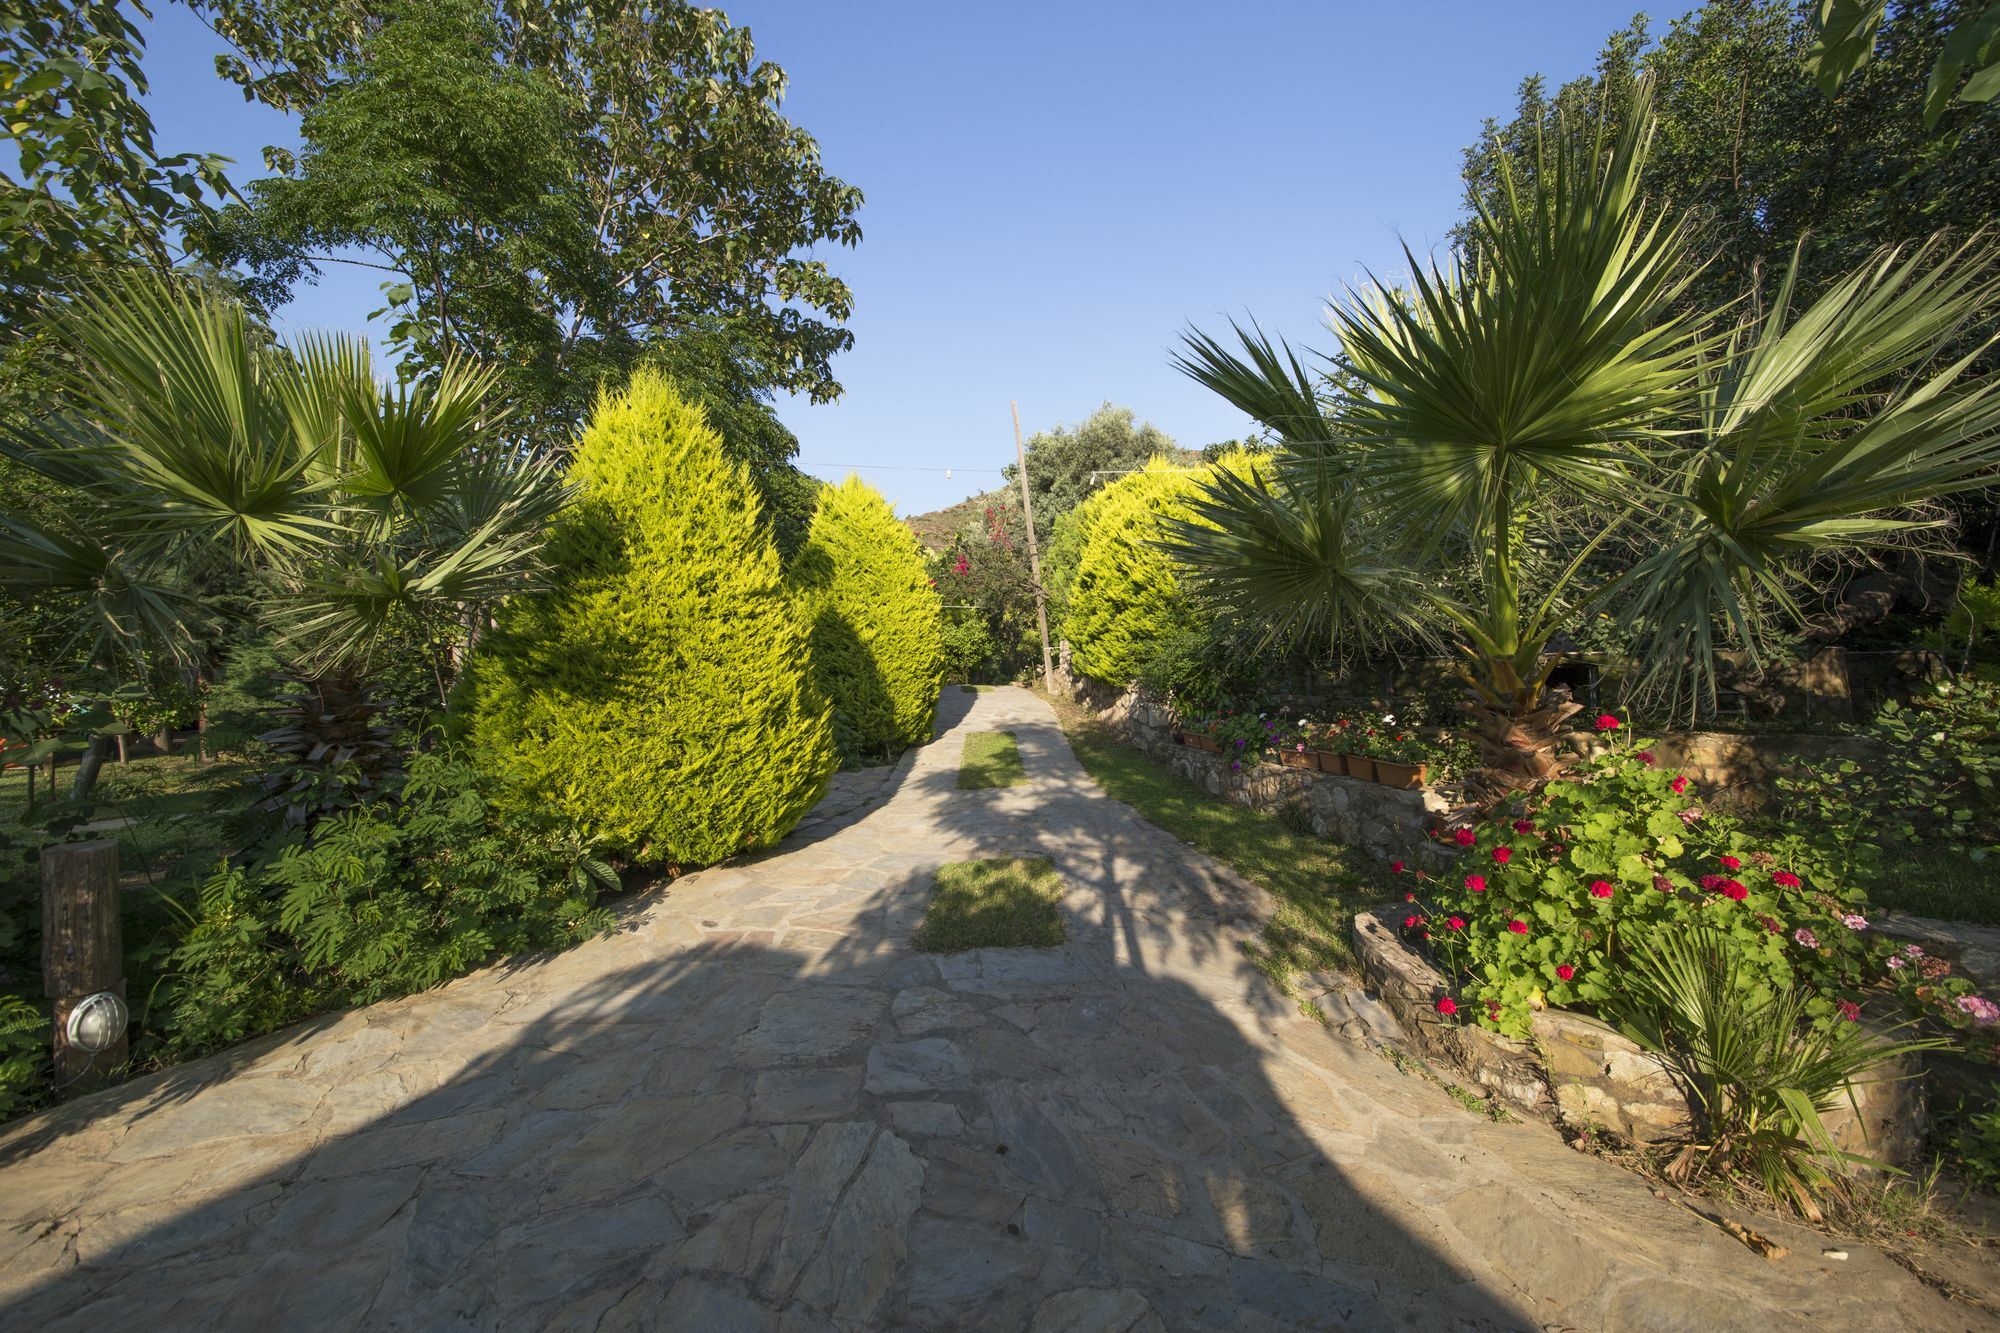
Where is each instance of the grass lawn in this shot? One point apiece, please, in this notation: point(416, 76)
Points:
point(991, 759)
point(1010, 903)
point(1319, 884)
point(1939, 880)
point(171, 800)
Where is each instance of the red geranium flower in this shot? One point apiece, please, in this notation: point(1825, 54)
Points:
point(1503, 854)
point(1565, 971)
point(1518, 926)
point(1464, 837)
point(1663, 884)
point(1395, 867)
point(1711, 882)
point(1456, 923)
point(1524, 826)
point(1410, 922)
point(1850, 1011)
point(1729, 863)
point(1447, 1006)
point(1600, 888)
point(1477, 883)
point(1785, 879)
point(1409, 897)
point(1646, 758)
point(1734, 890)
point(1679, 785)
point(1606, 722)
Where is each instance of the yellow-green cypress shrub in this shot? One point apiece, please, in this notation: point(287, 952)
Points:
point(1127, 596)
point(659, 694)
point(874, 620)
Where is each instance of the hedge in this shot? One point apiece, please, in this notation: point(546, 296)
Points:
point(659, 693)
point(1126, 597)
point(874, 622)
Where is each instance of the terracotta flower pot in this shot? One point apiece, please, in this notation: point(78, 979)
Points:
point(1295, 759)
point(1407, 777)
point(1327, 761)
point(1359, 766)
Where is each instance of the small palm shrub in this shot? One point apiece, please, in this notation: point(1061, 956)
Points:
point(1759, 1074)
point(659, 694)
point(873, 620)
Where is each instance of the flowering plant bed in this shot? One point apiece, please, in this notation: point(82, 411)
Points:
point(1551, 898)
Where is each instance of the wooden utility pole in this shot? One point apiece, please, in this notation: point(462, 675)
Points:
point(83, 949)
point(1034, 557)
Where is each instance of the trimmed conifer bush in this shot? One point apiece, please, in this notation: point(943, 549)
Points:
point(659, 694)
point(1126, 598)
point(873, 619)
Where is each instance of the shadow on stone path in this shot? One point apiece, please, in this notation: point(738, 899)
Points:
point(754, 1108)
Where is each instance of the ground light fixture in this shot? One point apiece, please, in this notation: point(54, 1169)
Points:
point(97, 1022)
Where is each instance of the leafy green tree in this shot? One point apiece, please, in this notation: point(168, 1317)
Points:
point(558, 185)
point(1967, 69)
point(660, 695)
point(873, 619)
point(1554, 363)
point(83, 187)
point(1755, 158)
point(1066, 464)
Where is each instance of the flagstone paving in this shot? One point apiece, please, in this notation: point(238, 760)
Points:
point(753, 1107)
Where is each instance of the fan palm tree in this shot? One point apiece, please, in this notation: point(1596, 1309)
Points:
point(198, 455)
point(1548, 372)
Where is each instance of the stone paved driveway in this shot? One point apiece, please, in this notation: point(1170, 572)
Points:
point(754, 1108)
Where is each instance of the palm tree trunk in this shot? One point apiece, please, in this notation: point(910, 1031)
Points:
point(1518, 744)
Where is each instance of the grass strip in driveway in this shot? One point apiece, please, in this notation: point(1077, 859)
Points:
point(1005, 903)
point(991, 759)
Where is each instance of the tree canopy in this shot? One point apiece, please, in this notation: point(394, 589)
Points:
point(555, 188)
point(1067, 463)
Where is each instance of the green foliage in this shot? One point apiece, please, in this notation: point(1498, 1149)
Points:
point(1935, 777)
point(990, 759)
point(1760, 1076)
point(1843, 40)
point(1127, 598)
point(561, 187)
point(965, 645)
point(1203, 663)
point(981, 572)
point(24, 1055)
point(1011, 903)
point(1975, 1148)
point(873, 622)
point(659, 695)
point(381, 900)
point(82, 188)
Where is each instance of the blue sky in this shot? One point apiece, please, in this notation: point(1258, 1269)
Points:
point(1054, 191)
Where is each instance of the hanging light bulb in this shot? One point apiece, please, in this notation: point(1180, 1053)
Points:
point(947, 474)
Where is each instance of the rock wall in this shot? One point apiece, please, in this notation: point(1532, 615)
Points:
point(1585, 1073)
point(1383, 820)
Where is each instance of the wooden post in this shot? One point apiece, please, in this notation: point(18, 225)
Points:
point(83, 949)
point(1034, 557)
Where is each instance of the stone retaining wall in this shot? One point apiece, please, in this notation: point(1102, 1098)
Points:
point(1383, 820)
point(1584, 1073)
